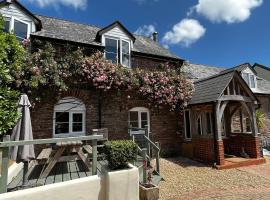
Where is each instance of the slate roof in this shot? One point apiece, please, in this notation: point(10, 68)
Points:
point(262, 71)
point(196, 71)
point(86, 34)
point(210, 89)
point(263, 86)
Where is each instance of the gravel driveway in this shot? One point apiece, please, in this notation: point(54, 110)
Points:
point(187, 179)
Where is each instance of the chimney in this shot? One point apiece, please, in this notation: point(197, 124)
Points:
point(155, 36)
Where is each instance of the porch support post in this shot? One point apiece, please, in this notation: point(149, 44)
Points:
point(254, 121)
point(219, 142)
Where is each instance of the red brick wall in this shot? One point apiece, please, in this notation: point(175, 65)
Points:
point(203, 149)
point(233, 145)
point(115, 106)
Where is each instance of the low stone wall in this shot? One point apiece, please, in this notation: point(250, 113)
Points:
point(117, 185)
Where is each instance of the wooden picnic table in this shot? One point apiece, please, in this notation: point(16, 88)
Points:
point(68, 147)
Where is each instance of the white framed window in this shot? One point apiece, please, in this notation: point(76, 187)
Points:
point(199, 125)
point(118, 51)
point(209, 122)
point(250, 79)
point(20, 28)
point(139, 117)
point(187, 122)
point(69, 118)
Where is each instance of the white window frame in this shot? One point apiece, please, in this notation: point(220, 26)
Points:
point(249, 79)
point(211, 122)
point(186, 138)
point(61, 108)
point(12, 22)
point(121, 52)
point(201, 131)
point(119, 47)
point(140, 110)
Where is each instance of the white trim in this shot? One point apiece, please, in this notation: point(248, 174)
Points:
point(140, 110)
point(64, 106)
point(186, 138)
point(119, 47)
point(12, 22)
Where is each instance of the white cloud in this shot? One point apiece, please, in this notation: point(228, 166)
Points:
point(77, 4)
point(146, 30)
point(230, 11)
point(186, 32)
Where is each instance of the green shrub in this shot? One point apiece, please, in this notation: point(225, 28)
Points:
point(119, 153)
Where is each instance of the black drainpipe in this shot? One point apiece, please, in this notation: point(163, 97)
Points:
point(99, 108)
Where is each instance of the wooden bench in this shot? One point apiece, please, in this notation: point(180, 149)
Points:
point(44, 154)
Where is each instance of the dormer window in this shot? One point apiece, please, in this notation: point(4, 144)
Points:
point(250, 79)
point(118, 51)
point(20, 28)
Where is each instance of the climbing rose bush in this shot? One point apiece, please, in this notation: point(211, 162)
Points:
point(44, 69)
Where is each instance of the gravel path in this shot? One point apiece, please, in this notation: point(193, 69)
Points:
point(187, 179)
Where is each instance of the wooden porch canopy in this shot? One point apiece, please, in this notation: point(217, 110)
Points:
point(222, 90)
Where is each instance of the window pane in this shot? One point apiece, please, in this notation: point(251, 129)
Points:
point(20, 30)
point(61, 122)
point(111, 50)
point(245, 77)
point(208, 123)
point(144, 123)
point(248, 125)
point(144, 116)
point(187, 125)
point(6, 25)
point(77, 127)
point(77, 117)
point(61, 128)
point(252, 81)
point(125, 47)
point(133, 116)
point(62, 117)
point(199, 126)
point(134, 124)
point(126, 60)
point(125, 53)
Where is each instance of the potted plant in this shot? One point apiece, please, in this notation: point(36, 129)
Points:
point(149, 191)
point(121, 178)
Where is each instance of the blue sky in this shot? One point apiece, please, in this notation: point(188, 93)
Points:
point(214, 32)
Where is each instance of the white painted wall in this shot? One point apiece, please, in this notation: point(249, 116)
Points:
point(12, 11)
point(117, 185)
point(89, 188)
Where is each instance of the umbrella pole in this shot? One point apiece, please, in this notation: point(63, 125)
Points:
point(25, 170)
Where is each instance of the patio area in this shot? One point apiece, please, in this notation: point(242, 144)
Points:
point(61, 172)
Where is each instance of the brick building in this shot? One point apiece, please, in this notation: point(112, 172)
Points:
point(198, 132)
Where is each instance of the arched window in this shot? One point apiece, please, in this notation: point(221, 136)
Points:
point(69, 118)
point(139, 117)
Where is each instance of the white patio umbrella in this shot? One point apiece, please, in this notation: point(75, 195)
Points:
point(23, 131)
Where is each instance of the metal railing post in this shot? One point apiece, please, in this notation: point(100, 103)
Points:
point(4, 167)
point(157, 158)
point(144, 153)
point(94, 154)
point(147, 143)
